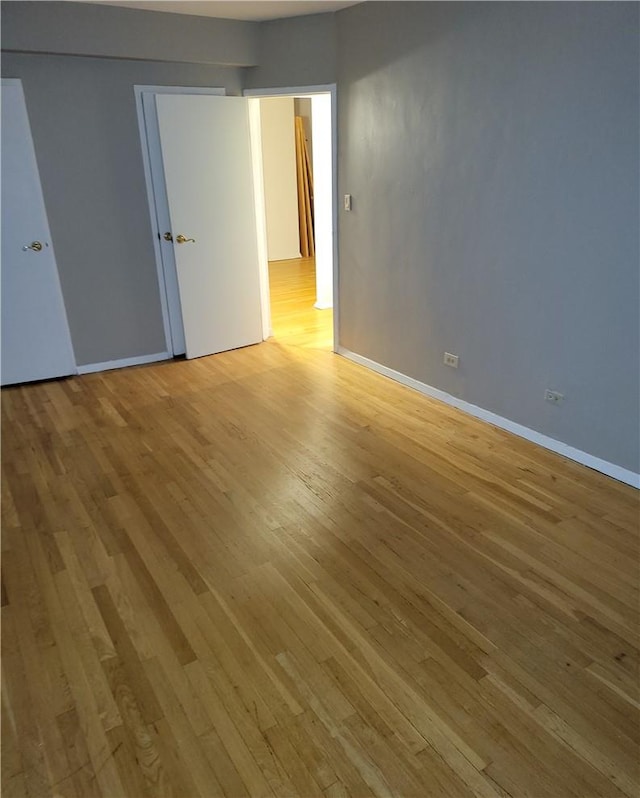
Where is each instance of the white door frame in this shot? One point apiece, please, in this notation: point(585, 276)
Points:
point(152, 164)
point(151, 155)
point(294, 91)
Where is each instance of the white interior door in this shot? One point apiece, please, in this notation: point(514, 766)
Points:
point(36, 343)
point(206, 154)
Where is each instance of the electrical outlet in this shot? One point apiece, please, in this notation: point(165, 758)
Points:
point(553, 396)
point(450, 360)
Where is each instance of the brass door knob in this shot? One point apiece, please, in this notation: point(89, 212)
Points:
point(167, 236)
point(36, 246)
point(180, 239)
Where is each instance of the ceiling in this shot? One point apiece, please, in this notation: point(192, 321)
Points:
point(256, 10)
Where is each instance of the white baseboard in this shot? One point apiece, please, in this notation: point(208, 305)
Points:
point(603, 466)
point(91, 368)
point(323, 306)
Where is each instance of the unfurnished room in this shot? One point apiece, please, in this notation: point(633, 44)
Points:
point(320, 365)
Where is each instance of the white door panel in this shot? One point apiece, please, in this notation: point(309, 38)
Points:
point(206, 153)
point(35, 335)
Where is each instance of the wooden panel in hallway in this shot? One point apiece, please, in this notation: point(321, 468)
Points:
point(294, 319)
point(271, 572)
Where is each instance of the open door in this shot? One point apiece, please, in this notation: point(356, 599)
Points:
point(36, 343)
point(206, 155)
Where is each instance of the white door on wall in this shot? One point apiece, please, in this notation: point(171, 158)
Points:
point(206, 154)
point(36, 343)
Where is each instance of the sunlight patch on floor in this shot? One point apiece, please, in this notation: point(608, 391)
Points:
point(294, 319)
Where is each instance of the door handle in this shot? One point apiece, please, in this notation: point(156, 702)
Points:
point(167, 236)
point(180, 239)
point(36, 246)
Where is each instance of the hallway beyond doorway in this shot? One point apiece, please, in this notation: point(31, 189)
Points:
point(295, 320)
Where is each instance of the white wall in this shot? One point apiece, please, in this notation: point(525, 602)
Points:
point(322, 190)
point(279, 163)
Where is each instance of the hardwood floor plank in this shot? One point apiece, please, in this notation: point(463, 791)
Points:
point(82, 774)
point(189, 750)
point(90, 719)
point(590, 754)
point(230, 735)
point(127, 657)
point(271, 572)
point(222, 765)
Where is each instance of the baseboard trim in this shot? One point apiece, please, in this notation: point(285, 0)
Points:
point(603, 466)
point(92, 368)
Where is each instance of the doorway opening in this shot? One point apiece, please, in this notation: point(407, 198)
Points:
point(190, 299)
point(294, 138)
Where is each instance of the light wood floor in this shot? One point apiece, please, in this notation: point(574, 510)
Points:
point(293, 318)
point(273, 573)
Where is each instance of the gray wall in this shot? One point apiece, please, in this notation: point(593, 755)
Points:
point(492, 153)
point(94, 30)
point(85, 130)
point(300, 51)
